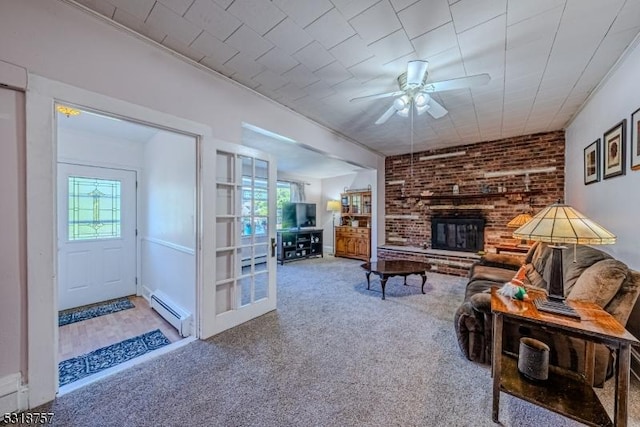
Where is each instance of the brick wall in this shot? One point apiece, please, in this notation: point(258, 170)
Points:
point(408, 214)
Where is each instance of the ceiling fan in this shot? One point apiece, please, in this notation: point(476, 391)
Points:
point(414, 92)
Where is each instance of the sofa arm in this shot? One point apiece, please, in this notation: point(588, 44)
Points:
point(510, 262)
point(481, 302)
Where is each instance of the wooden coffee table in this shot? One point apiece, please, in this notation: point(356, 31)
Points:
point(390, 268)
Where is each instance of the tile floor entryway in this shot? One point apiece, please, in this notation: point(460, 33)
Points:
point(88, 335)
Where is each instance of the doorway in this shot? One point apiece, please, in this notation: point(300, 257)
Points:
point(126, 207)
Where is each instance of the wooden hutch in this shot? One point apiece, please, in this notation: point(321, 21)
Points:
point(353, 234)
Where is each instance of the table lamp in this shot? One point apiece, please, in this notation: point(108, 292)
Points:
point(518, 222)
point(558, 224)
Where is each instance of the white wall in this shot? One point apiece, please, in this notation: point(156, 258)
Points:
point(13, 271)
point(168, 226)
point(87, 148)
point(614, 203)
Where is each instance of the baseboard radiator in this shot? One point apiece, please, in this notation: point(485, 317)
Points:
point(171, 312)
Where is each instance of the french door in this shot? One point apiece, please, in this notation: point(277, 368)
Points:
point(238, 236)
point(96, 234)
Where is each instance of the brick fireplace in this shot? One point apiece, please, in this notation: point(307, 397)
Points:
point(419, 191)
point(457, 234)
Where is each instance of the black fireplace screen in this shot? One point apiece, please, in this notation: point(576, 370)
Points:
point(457, 234)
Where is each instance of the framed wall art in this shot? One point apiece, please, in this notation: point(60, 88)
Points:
point(592, 162)
point(635, 142)
point(613, 150)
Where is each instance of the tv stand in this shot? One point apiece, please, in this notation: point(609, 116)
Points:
point(298, 244)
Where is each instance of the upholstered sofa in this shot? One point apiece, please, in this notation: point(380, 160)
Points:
point(589, 274)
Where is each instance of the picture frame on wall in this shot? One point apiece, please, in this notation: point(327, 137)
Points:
point(614, 150)
point(592, 162)
point(635, 141)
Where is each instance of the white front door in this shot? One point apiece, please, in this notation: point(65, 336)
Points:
point(238, 236)
point(96, 234)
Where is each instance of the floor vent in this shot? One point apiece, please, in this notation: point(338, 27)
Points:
point(179, 318)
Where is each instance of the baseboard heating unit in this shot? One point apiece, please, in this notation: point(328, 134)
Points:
point(171, 312)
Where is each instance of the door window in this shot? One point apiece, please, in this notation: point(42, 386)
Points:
point(94, 208)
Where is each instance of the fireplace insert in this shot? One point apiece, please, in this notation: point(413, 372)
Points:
point(457, 234)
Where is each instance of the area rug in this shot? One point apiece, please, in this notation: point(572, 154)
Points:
point(74, 315)
point(103, 358)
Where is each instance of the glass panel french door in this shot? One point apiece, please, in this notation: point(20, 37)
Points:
point(238, 263)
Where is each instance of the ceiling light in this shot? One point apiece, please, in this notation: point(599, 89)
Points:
point(422, 100)
point(67, 111)
point(401, 103)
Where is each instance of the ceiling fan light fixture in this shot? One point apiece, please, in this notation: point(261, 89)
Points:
point(421, 110)
point(404, 112)
point(421, 100)
point(401, 103)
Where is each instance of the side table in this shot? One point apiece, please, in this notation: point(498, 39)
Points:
point(566, 396)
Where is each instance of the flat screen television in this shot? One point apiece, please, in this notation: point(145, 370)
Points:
point(298, 215)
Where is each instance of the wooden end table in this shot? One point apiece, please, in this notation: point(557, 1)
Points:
point(390, 268)
point(567, 396)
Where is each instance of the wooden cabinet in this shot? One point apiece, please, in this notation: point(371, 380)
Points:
point(353, 242)
point(302, 244)
point(353, 235)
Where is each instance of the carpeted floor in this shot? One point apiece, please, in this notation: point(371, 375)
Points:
point(333, 354)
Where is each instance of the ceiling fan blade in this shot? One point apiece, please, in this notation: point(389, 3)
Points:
point(390, 112)
point(377, 96)
point(436, 110)
point(416, 71)
point(459, 83)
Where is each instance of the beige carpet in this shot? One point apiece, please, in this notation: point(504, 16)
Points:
point(333, 354)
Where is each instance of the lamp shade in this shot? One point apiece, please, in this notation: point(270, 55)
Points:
point(519, 220)
point(560, 223)
point(333, 205)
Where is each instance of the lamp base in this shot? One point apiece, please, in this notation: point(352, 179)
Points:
point(555, 306)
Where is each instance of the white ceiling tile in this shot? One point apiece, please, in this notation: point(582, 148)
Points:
point(245, 81)
point(518, 10)
point(314, 56)
point(304, 12)
point(424, 16)
point(213, 47)
point(224, 3)
point(628, 18)
point(319, 89)
point(213, 19)
point(288, 36)
point(244, 65)
point(260, 15)
point(445, 65)
point(140, 9)
point(399, 5)
point(350, 8)
point(376, 22)
point(178, 28)
point(215, 64)
point(482, 47)
point(102, 7)
point(351, 51)
point(137, 25)
point(391, 47)
point(330, 29)
point(301, 76)
point(291, 92)
point(367, 69)
point(178, 6)
point(249, 42)
point(183, 49)
point(333, 73)
point(270, 80)
point(469, 13)
point(541, 28)
point(436, 41)
point(277, 61)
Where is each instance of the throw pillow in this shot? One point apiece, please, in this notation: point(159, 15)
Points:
point(600, 282)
